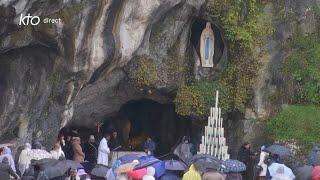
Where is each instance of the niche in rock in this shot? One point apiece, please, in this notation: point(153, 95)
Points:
point(196, 29)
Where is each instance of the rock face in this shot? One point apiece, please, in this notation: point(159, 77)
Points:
point(52, 73)
point(108, 52)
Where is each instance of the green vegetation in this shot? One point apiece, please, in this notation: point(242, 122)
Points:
point(245, 28)
point(197, 97)
point(302, 69)
point(296, 122)
point(146, 72)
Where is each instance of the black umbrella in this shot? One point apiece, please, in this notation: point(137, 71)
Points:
point(44, 163)
point(100, 170)
point(279, 150)
point(303, 173)
point(61, 168)
point(175, 165)
point(204, 161)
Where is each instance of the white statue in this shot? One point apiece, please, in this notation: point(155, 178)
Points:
point(207, 46)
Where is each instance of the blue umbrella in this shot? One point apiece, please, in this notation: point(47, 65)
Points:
point(128, 158)
point(278, 149)
point(168, 176)
point(232, 165)
point(146, 161)
point(175, 165)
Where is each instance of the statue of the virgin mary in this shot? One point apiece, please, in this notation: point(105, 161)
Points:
point(207, 46)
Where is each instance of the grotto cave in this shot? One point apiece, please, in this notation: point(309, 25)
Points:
point(138, 119)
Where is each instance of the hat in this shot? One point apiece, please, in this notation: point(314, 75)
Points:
point(91, 137)
point(81, 172)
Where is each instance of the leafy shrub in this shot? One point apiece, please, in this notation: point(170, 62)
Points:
point(303, 68)
point(198, 97)
point(296, 122)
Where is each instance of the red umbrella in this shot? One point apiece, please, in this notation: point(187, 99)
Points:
point(137, 174)
point(316, 173)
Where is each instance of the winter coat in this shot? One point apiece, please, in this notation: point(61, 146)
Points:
point(77, 150)
point(244, 155)
point(8, 154)
point(234, 176)
point(212, 176)
point(261, 163)
point(150, 146)
point(67, 149)
point(114, 143)
point(24, 160)
point(192, 174)
point(91, 151)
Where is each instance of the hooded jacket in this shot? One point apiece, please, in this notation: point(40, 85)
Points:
point(78, 154)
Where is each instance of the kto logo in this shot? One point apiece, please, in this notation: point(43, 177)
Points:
point(25, 20)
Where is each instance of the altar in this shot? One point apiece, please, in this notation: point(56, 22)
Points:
point(114, 155)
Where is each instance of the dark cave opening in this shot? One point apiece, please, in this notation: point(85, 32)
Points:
point(196, 30)
point(138, 119)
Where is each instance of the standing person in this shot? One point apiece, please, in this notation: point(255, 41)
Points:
point(234, 176)
point(192, 174)
point(57, 152)
point(91, 150)
point(66, 146)
point(6, 152)
point(103, 150)
point(24, 160)
point(184, 150)
point(244, 155)
point(78, 154)
point(262, 164)
point(6, 171)
point(149, 146)
point(114, 142)
point(73, 175)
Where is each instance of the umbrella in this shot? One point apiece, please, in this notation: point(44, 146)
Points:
point(44, 163)
point(38, 154)
point(100, 170)
point(146, 161)
point(278, 149)
point(128, 158)
point(137, 174)
point(232, 165)
point(175, 165)
point(126, 167)
point(316, 172)
point(314, 156)
point(303, 173)
point(169, 176)
point(275, 166)
point(61, 168)
point(204, 161)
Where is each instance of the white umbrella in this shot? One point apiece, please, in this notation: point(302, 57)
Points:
point(274, 167)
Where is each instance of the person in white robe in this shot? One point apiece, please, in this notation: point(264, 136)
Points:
point(57, 152)
point(103, 151)
point(24, 159)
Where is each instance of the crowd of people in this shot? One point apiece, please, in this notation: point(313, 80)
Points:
point(67, 147)
point(271, 166)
